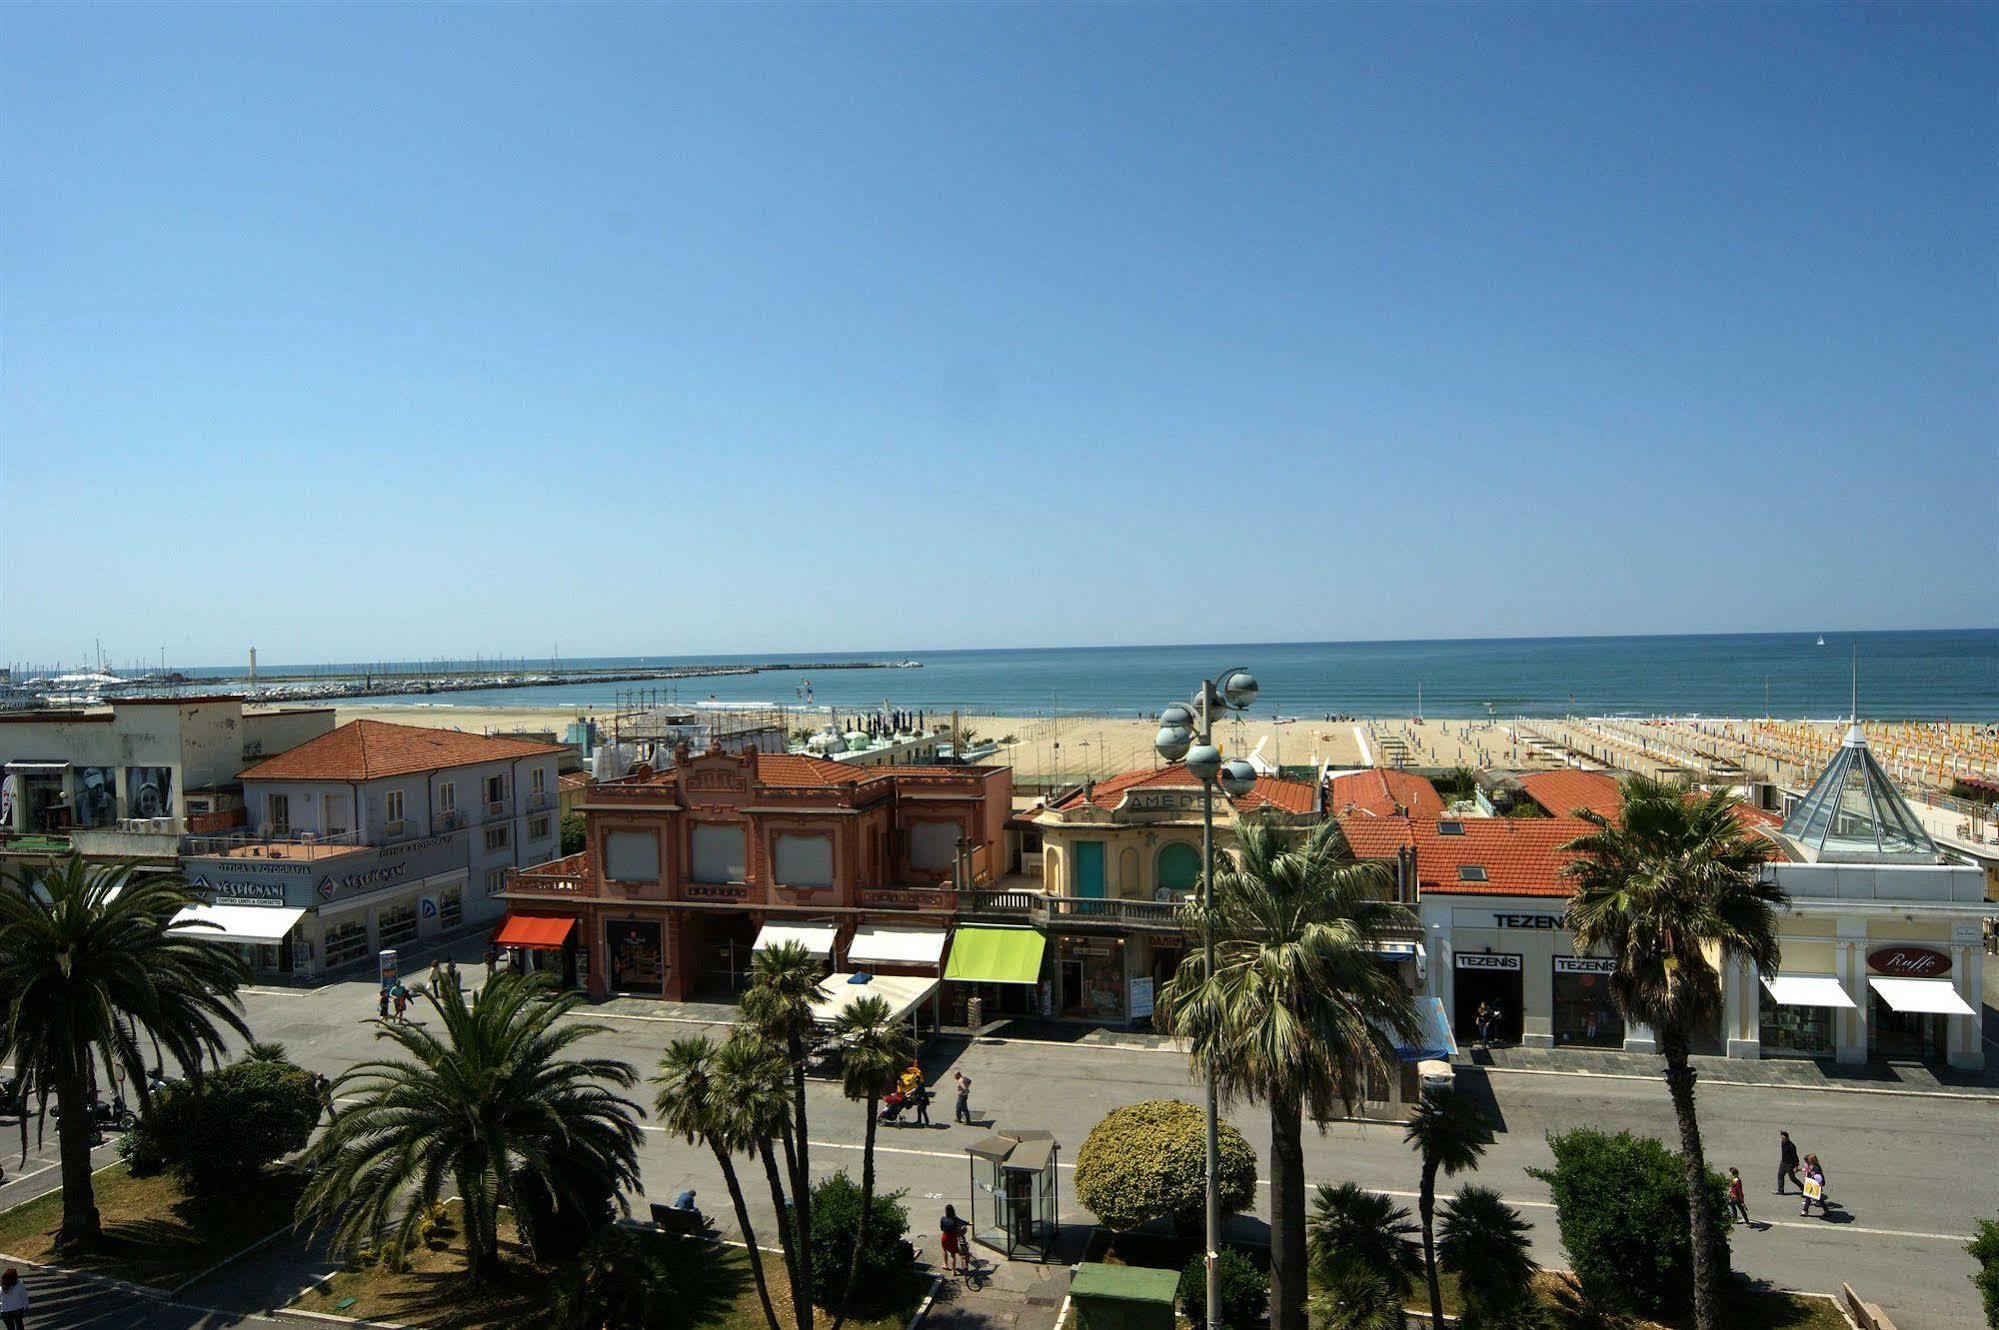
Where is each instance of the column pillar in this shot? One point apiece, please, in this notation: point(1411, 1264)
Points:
point(1742, 1009)
point(1966, 1047)
point(1850, 956)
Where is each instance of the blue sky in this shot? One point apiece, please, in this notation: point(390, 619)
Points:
point(365, 331)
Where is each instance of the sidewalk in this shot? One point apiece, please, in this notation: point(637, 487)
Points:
point(1018, 1295)
point(1789, 1073)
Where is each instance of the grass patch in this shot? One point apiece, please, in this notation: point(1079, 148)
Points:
point(710, 1288)
point(1745, 1305)
point(155, 1231)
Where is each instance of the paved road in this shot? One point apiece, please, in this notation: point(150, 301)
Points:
point(63, 1302)
point(1907, 1173)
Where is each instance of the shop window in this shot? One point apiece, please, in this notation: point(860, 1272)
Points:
point(343, 944)
point(718, 852)
point(496, 837)
point(395, 925)
point(1794, 1031)
point(631, 856)
point(804, 861)
point(1586, 1016)
point(933, 846)
point(637, 956)
point(451, 907)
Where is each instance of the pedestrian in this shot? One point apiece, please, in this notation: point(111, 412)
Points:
point(451, 971)
point(1787, 1162)
point(964, 1111)
point(382, 1007)
point(492, 959)
point(1738, 1208)
point(324, 1088)
point(951, 1236)
point(402, 1001)
point(13, 1299)
point(919, 1099)
point(1484, 1023)
point(1814, 1182)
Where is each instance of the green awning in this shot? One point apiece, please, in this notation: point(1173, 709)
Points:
point(996, 956)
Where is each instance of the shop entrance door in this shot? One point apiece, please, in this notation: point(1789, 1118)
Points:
point(1491, 980)
point(638, 959)
point(1072, 987)
point(1905, 1035)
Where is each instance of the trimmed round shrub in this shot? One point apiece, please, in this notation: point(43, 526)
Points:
point(836, 1217)
point(221, 1135)
point(1245, 1290)
point(1148, 1161)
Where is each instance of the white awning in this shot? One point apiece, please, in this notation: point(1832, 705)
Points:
point(236, 923)
point(815, 938)
point(1931, 995)
point(1399, 950)
point(903, 993)
point(875, 945)
point(1808, 990)
point(56, 764)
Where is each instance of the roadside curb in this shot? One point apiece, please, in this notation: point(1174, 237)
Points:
point(71, 1272)
point(186, 1284)
point(1973, 1096)
point(331, 1319)
point(923, 1307)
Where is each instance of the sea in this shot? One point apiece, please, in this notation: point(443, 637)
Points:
point(1933, 675)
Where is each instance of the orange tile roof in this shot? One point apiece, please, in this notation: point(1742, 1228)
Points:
point(1562, 793)
point(1520, 856)
point(1384, 793)
point(802, 771)
point(1291, 796)
point(573, 780)
point(371, 749)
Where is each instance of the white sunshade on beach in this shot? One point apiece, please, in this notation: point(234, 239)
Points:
point(1808, 990)
point(903, 993)
point(877, 945)
point(815, 938)
point(266, 924)
point(1927, 995)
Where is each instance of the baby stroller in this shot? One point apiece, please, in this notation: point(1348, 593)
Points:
point(892, 1104)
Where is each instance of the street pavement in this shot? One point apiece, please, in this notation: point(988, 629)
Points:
point(1907, 1173)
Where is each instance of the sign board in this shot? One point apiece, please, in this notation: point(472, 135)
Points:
point(1465, 917)
point(1487, 960)
point(1814, 1190)
point(391, 971)
point(1160, 801)
point(426, 907)
point(1909, 962)
point(1585, 965)
point(1141, 997)
point(238, 891)
point(327, 877)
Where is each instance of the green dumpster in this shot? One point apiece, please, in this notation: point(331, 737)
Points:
point(1123, 1297)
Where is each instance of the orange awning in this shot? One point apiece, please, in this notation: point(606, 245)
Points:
point(537, 932)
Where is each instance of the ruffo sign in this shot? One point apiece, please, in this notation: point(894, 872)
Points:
point(1909, 962)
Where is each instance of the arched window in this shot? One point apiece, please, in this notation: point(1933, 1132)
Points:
point(1179, 867)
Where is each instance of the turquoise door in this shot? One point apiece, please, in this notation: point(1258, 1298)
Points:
point(1090, 868)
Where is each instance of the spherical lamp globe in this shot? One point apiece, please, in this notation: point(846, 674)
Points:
point(1204, 761)
point(1172, 742)
point(1240, 688)
point(1238, 778)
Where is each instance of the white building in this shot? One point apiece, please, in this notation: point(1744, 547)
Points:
point(374, 836)
point(1882, 953)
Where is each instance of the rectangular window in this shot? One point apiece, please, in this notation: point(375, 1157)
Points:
point(537, 779)
point(1450, 828)
point(933, 846)
point(718, 852)
point(496, 789)
point(395, 924)
point(278, 812)
point(451, 907)
point(631, 856)
point(344, 943)
point(392, 806)
point(496, 882)
point(1470, 873)
point(447, 798)
point(496, 837)
point(804, 861)
point(538, 827)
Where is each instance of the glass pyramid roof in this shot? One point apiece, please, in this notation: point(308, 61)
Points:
point(1854, 812)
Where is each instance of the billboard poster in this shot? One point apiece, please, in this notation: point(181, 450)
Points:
point(149, 791)
point(96, 802)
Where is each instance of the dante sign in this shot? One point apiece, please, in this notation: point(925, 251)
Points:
point(1909, 962)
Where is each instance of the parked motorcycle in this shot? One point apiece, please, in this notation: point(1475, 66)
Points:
point(113, 1115)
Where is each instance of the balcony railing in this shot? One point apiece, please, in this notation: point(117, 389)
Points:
point(1111, 910)
point(559, 877)
point(907, 898)
point(278, 840)
point(1001, 902)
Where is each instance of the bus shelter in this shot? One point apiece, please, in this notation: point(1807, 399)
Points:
point(1015, 1208)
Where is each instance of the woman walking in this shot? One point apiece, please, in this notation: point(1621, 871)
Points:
point(951, 1235)
point(13, 1299)
point(1738, 1207)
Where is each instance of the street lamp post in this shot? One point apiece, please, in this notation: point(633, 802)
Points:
point(1180, 727)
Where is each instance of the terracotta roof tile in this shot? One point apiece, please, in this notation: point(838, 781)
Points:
point(1520, 856)
point(372, 749)
point(1562, 793)
point(1384, 792)
point(1291, 796)
point(802, 771)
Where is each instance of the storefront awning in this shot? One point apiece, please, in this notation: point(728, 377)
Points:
point(996, 956)
point(535, 932)
point(29, 764)
point(266, 924)
point(1434, 1041)
point(903, 993)
point(1397, 950)
point(1807, 990)
point(815, 938)
point(1930, 995)
point(875, 945)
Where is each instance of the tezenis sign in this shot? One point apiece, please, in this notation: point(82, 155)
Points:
point(1909, 962)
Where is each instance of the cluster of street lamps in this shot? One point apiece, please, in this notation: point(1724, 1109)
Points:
point(1188, 733)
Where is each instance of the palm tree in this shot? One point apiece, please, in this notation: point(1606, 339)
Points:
point(1355, 1235)
point(1356, 1300)
point(88, 961)
point(1483, 1243)
point(1450, 1133)
point(490, 1107)
point(1668, 883)
point(1297, 1013)
point(264, 1050)
point(784, 982)
point(876, 1049)
point(690, 1107)
point(752, 1082)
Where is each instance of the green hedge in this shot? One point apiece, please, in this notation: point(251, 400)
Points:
point(1245, 1290)
point(1148, 1161)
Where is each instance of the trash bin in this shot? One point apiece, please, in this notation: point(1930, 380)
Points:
point(1123, 1297)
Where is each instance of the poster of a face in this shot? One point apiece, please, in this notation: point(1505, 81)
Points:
point(7, 802)
point(149, 791)
point(96, 800)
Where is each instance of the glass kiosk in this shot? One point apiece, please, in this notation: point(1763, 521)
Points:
point(1014, 1204)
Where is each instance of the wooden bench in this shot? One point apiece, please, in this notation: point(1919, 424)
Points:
point(1866, 1315)
point(680, 1223)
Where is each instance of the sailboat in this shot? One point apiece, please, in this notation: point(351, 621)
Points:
point(1821, 639)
